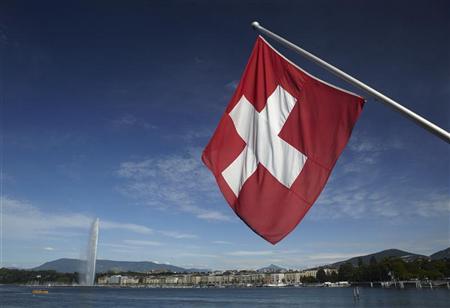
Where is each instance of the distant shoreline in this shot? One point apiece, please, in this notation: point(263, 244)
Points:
point(407, 285)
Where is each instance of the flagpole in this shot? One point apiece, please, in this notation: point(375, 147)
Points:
point(431, 127)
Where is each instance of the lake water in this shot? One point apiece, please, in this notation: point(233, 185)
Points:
point(17, 296)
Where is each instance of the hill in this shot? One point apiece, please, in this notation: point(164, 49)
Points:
point(442, 254)
point(74, 265)
point(271, 268)
point(379, 256)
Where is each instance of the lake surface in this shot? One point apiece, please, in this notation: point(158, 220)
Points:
point(18, 296)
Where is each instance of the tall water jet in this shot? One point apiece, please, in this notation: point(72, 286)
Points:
point(88, 272)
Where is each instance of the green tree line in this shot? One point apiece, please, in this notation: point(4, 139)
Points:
point(10, 276)
point(388, 269)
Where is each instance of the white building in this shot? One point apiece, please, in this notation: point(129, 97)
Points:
point(115, 279)
point(129, 280)
point(308, 273)
point(277, 279)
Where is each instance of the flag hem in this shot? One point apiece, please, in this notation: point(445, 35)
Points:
point(307, 73)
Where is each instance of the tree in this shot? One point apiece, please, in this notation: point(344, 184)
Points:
point(345, 272)
point(360, 262)
point(373, 261)
point(321, 276)
point(333, 277)
point(308, 279)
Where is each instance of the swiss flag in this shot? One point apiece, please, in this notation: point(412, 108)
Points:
point(278, 141)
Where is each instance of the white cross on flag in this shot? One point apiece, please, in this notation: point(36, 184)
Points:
point(278, 141)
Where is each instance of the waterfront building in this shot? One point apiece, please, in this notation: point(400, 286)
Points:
point(115, 279)
point(196, 280)
point(215, 279)
point(292, 278)
point(172, 280)
point(308, 273)
point(126, 280)
point(152, 280)
point(329, 271)
point(277, 278)
point(102, 280)
point(229, 279)
point(204, 280)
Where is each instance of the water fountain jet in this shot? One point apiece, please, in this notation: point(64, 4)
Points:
point(87, 274)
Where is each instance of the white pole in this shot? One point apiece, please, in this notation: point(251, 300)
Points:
point(433, 128)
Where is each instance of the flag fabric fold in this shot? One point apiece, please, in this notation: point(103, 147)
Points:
point(278, 141)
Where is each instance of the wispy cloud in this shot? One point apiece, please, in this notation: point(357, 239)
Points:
point(362, 142)
point(367, 150)
point(23, 220)
point(193, 136)
point(213, 215)
point(178, 182)
point(142, 242)
point(126, 226)
point(360, 188)
point(232, 85)
point(126, 120)
point(332, 257)
point(243, 253)
point(197, 255)
point(129, 120)
point(178, 235)
point(119, 246)
point(222, 242)
point(49, 248)
point(379, 200)
point(437, 204)
point(137, 170)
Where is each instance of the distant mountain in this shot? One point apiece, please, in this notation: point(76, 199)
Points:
point(379, 256)
point(74, 265)
point(271, 268)
point(102, 266)
point(442, 254)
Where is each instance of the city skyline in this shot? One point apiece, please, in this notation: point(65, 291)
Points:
point(107, 107)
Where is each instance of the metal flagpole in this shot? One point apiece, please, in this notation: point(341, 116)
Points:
point(433, 128)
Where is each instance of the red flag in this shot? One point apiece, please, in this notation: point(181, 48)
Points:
point(278, 141)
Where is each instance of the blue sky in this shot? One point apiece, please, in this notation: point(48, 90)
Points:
point(106, 107)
